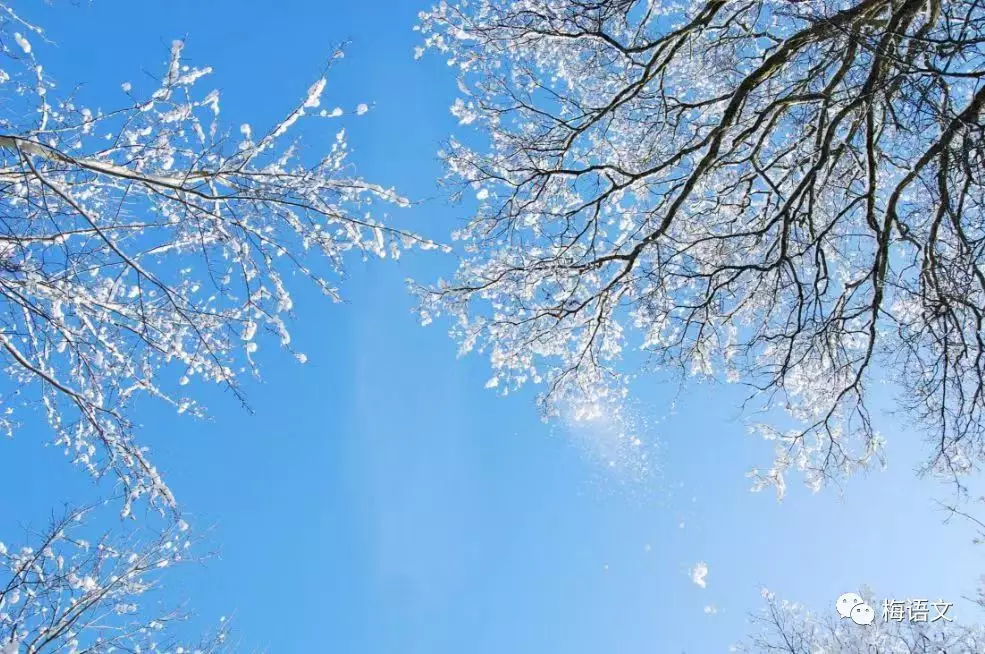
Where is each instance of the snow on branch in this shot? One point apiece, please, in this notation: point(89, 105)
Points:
point(145, 248)
point(786, 195)
point(61, 592)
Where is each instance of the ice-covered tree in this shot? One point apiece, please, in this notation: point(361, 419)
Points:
point(784, 626)
point(785, 194)
point(62, 593)
point(897, 628)
point(146, 247)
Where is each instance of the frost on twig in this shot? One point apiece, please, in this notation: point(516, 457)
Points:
point(144, 248)
point(785, 195)
point(784, 626)
point(60, 592)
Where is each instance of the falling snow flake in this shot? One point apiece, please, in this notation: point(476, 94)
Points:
point(699, 573)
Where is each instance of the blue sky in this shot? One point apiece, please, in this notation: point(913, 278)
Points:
point(379, 499)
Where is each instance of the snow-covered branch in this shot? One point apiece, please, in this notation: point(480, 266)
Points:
point(788, 195)
point(784, 626)
point(146, 248)
point(62, 593)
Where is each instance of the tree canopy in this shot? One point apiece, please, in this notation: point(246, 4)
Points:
point(787, 195)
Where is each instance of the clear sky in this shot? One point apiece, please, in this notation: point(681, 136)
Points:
point(379, 499)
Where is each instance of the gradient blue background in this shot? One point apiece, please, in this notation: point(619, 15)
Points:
point(379, 500)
